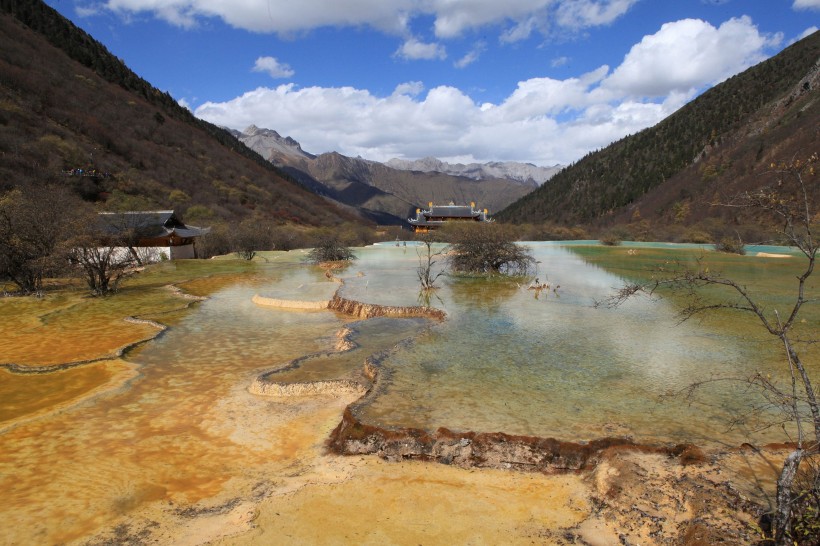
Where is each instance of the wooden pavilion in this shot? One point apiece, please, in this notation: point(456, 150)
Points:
point(438, 215)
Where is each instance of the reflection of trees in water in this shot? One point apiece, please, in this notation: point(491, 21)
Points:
point(429, 298)
point(483, 292)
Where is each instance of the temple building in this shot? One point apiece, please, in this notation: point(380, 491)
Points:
point(438, 215)
point(154, 235)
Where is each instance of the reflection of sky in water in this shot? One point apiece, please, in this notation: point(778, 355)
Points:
point(554, 366)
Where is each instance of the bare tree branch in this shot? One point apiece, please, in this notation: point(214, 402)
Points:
point(789, 203)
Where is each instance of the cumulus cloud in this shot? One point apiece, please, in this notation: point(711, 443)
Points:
point(413, 49)
point(548, 97)
point(445, 122)
point(273, 68)
point(542, 121)
point(687, 55)
point(806, 4)
point(454, 18)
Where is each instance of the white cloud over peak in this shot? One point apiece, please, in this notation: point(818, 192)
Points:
point(445, 122)
point(272, 67)
point(806, 33)
point(543, 120)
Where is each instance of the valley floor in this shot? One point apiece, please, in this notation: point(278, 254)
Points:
point(256, 470)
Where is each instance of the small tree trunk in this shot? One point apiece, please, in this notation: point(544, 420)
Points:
point(782, 516)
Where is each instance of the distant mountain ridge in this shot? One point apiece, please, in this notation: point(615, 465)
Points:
point(267, 142)
point(510, 170)
point(384, 194)
point(270, 144)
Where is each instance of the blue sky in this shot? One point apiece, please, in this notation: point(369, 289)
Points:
point(539, 81)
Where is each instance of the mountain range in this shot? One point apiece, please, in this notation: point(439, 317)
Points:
point(389, 195)
point(508, 170)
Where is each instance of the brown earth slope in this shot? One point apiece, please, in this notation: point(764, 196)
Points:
point(67, 104)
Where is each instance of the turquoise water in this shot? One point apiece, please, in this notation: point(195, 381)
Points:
point(506, 358)
point(550, 363)
point(750, 249)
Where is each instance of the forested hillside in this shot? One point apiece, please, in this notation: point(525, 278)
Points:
point(685, 160)
point(74, 115)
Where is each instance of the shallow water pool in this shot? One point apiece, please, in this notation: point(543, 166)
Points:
point(550, 364)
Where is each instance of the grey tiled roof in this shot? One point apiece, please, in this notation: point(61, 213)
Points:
point(147, 224)
point(439, 214)
point(452, 211)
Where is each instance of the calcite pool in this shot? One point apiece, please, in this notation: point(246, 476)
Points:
point(179, 426)
point(551, 364)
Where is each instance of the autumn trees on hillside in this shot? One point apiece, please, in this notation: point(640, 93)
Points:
point(52, 233)
point(36, 232)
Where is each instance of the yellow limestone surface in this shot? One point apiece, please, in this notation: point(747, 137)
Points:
point(419, 503)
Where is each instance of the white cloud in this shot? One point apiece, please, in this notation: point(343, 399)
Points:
point(524, 29)
point(686, 55)
point(272, 67)
point(413, 49)
point(88, 11)
point(806, 33)
point(589, 13)
point(450, 19)
point(806, 4)
point(472, 56)
point(445, 122)
point(548, 97)
point(280, 16)
point(411, 89)
point(559, 61)
point(542, 121)
point(454, 18)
